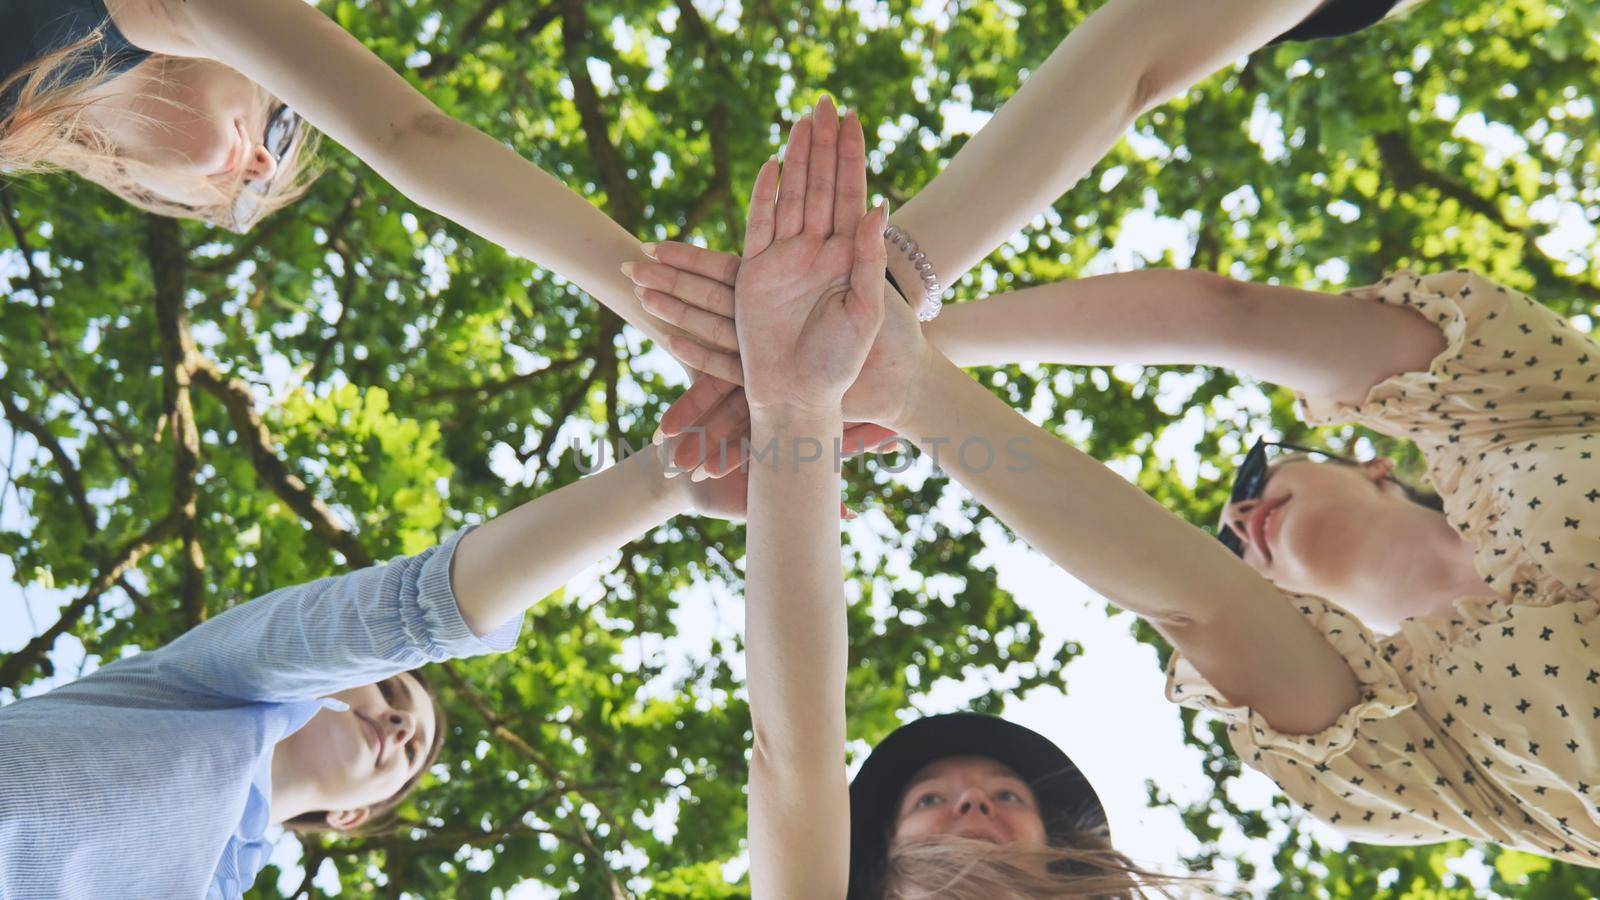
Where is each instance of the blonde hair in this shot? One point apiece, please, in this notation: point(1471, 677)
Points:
point(1081, 866)
point(47, 128)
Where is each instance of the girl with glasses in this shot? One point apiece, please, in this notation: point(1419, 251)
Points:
point(204, 109)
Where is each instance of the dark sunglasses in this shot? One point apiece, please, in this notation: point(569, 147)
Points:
point(283, 124)
point(1251, 480)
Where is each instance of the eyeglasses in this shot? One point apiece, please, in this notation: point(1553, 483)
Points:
point(1251, 480)
point(283, 124)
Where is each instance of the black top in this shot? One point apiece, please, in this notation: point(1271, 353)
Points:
point(1067, 802)
point(30, 29)
point(1337, 18)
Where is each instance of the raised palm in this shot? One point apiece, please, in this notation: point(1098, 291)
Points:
point(809, 292)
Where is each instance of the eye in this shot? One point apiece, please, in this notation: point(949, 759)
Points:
point(1009, 796)
point(387, 690)
point(411, 751)
point(927, 800)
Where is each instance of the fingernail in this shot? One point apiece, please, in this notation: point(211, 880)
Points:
point(649, 250)
point(658, 437)
point(639, 292)
point(627, 268)
point(700, 474)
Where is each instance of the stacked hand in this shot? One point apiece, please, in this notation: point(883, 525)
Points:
point(809, 292)
point(808, 242)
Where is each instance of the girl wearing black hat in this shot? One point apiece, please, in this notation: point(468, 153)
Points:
point(968, 806)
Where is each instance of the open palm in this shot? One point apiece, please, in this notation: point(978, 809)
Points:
point(809, 292)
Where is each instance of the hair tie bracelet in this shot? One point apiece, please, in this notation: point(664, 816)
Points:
point(929, 304)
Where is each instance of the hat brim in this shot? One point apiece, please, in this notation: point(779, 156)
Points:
point(1067, 801)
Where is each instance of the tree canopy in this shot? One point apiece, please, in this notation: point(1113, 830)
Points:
point(216, 416)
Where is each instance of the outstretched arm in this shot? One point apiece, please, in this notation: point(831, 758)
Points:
point(1234, 626)
point(1324, 345)
point(305, 59)
point(1127, 57)
point(461, 598)
point(809, 303)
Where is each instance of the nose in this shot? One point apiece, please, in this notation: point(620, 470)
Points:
point(1237, 514)
point(399, 726)
point(259, 164)
point(974, 802)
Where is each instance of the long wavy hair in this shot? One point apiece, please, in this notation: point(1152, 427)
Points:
point(1078, 863)
point(48, 128)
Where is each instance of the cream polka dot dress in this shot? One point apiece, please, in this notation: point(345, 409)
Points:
point(1483, 723)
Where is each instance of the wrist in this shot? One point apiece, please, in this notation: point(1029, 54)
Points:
point(913, 272)
point(665, 488)
point(926, 398)
point(795, 419)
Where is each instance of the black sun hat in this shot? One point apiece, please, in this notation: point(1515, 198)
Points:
point(1066, 799)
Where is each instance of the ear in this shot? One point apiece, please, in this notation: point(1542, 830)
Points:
point(1378, 469)
point(347, 819)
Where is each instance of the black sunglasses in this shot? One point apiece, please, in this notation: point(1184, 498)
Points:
point(283, 124)
point(1251, 480)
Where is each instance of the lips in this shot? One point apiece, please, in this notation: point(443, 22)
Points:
point(1257, 525)
point(374, 738)
point(980, 833)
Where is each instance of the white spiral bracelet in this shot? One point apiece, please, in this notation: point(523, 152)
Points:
point(931, 301)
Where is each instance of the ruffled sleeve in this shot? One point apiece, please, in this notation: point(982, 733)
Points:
point(1511, 367)
point(1383, 693)
point(1385, 772)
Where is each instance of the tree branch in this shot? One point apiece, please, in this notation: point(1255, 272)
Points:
point(1407, 171)
point(168, 272)
point(563, 411)
point(13, 667)
point(624, 200)
point(719, 187)
point(236, 398)
point(71, 478)
point(461, 40)
point(488, 389)
point(556, 779)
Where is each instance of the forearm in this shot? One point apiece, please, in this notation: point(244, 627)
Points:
point(1149, 317)
point(1084, 517)
point(795, 650)
point(1234, 625)
point(794, 619)
point(348, 93)
point(492, 191)
point(504, 567)
point(1330, 346)
point(1128, 56)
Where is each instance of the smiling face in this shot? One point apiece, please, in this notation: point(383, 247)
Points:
point(1330, 530)
point(348, 761)
point(973, 797)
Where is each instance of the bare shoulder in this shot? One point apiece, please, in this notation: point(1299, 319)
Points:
point(159, 26)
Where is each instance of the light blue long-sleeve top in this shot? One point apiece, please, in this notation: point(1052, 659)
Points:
point(150, 777)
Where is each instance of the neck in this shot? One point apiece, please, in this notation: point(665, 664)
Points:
point(1431, 568)
point(289, 796)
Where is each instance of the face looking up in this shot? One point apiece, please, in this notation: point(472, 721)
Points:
point(972, 797)
point(353, 759)
point(1332, 530)
point(197, 126)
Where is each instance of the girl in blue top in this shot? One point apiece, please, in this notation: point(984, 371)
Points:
point(158, 775)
